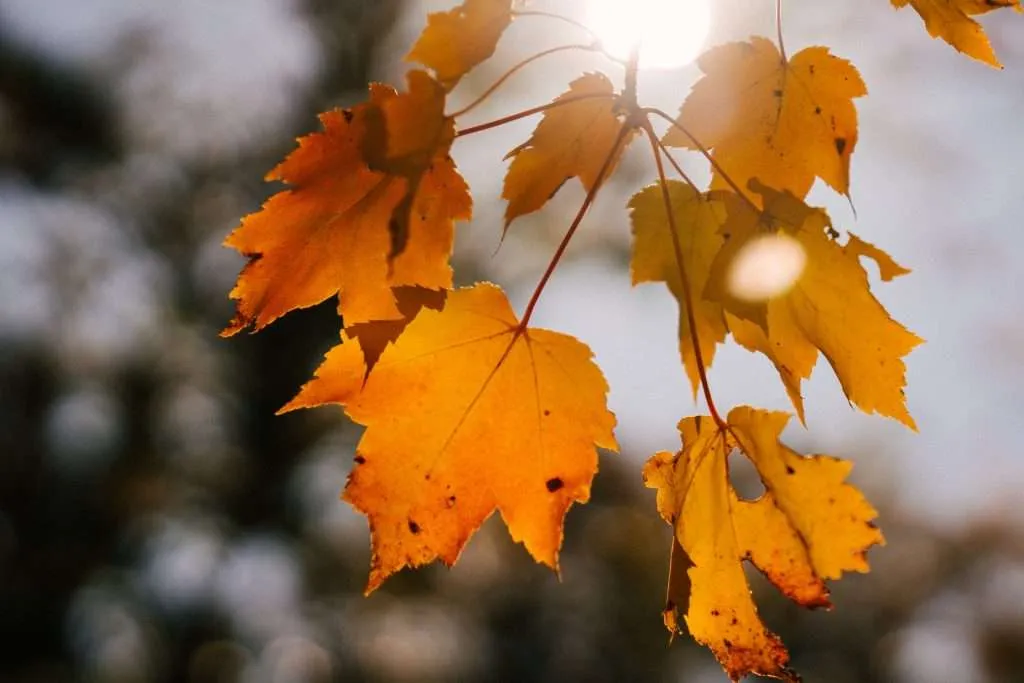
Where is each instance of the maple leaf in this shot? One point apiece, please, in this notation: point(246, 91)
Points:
point(951, 21)
point(466, 414)
point(829, 308)
point(374, 336)
point(372, 203)
point(809, 526)
point(782, 121)
point(572, 139)
point(698, 218)
point(456, 41)
point(410, 138)
point(888, 269)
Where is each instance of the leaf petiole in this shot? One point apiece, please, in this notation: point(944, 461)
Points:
point(516, 68)
point(704, 152)
point(680, 263)
point(479, 128)
point(602, 175)
point(778, 29)
point(558, 17)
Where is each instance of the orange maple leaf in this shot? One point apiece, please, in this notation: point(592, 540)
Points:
point(372, 204)
point(374, 336)
point(808, 526)
point(466, 413)
point(572, 140)
point(781, 121)
point(951, 21)
point(456, 41)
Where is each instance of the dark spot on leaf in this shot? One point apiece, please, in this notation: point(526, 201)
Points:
point(546, 413)
point(451, 501)
point(554, 484)
point(360, 460)
point(414, 527)
point(840, 145)
point(817, 110)
point(734, 621)
point(777, 93)
point(727, 642)
point(715, 613)
point(790, 470)
point(426, 476)
point(347, 113)
point(871, 525)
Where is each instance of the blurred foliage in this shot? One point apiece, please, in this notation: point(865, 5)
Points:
point(157, 523)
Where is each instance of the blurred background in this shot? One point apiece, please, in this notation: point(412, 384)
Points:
point(158, 523)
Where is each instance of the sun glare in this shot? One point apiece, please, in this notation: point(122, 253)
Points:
point(670, 33)
point(767, 266)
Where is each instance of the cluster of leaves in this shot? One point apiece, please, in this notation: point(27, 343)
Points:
point(469, 410)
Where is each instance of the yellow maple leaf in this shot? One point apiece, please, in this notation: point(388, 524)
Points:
point(785, 346)
point(829, 308)
point(697, 217)
point(371, 206)
point(807, 527)
point(466, 415)
point(572, 140)
point(782, 121)
point(951, 21)
point(456, 41)
point(888, 269)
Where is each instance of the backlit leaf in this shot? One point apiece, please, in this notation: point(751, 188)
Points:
point(371, 206)
point(783, 122)
point(829, 308)
point(807, 527)
point(888, 269)
point(456, 41)
point(465, 416)
point(698, 217)
point(374, 336)
point(951, 21)
point(572, 140)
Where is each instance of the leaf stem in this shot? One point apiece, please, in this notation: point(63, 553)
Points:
point(706, 154)
point(778, 29)
point(516, 68)
point(680, 263)
point(530, 112)
point(675, 165)
point(629, 92)
point(559, 17)
point(587, 201)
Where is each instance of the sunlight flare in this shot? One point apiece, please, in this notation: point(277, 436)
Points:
point(768, 266)
point(671, 33)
